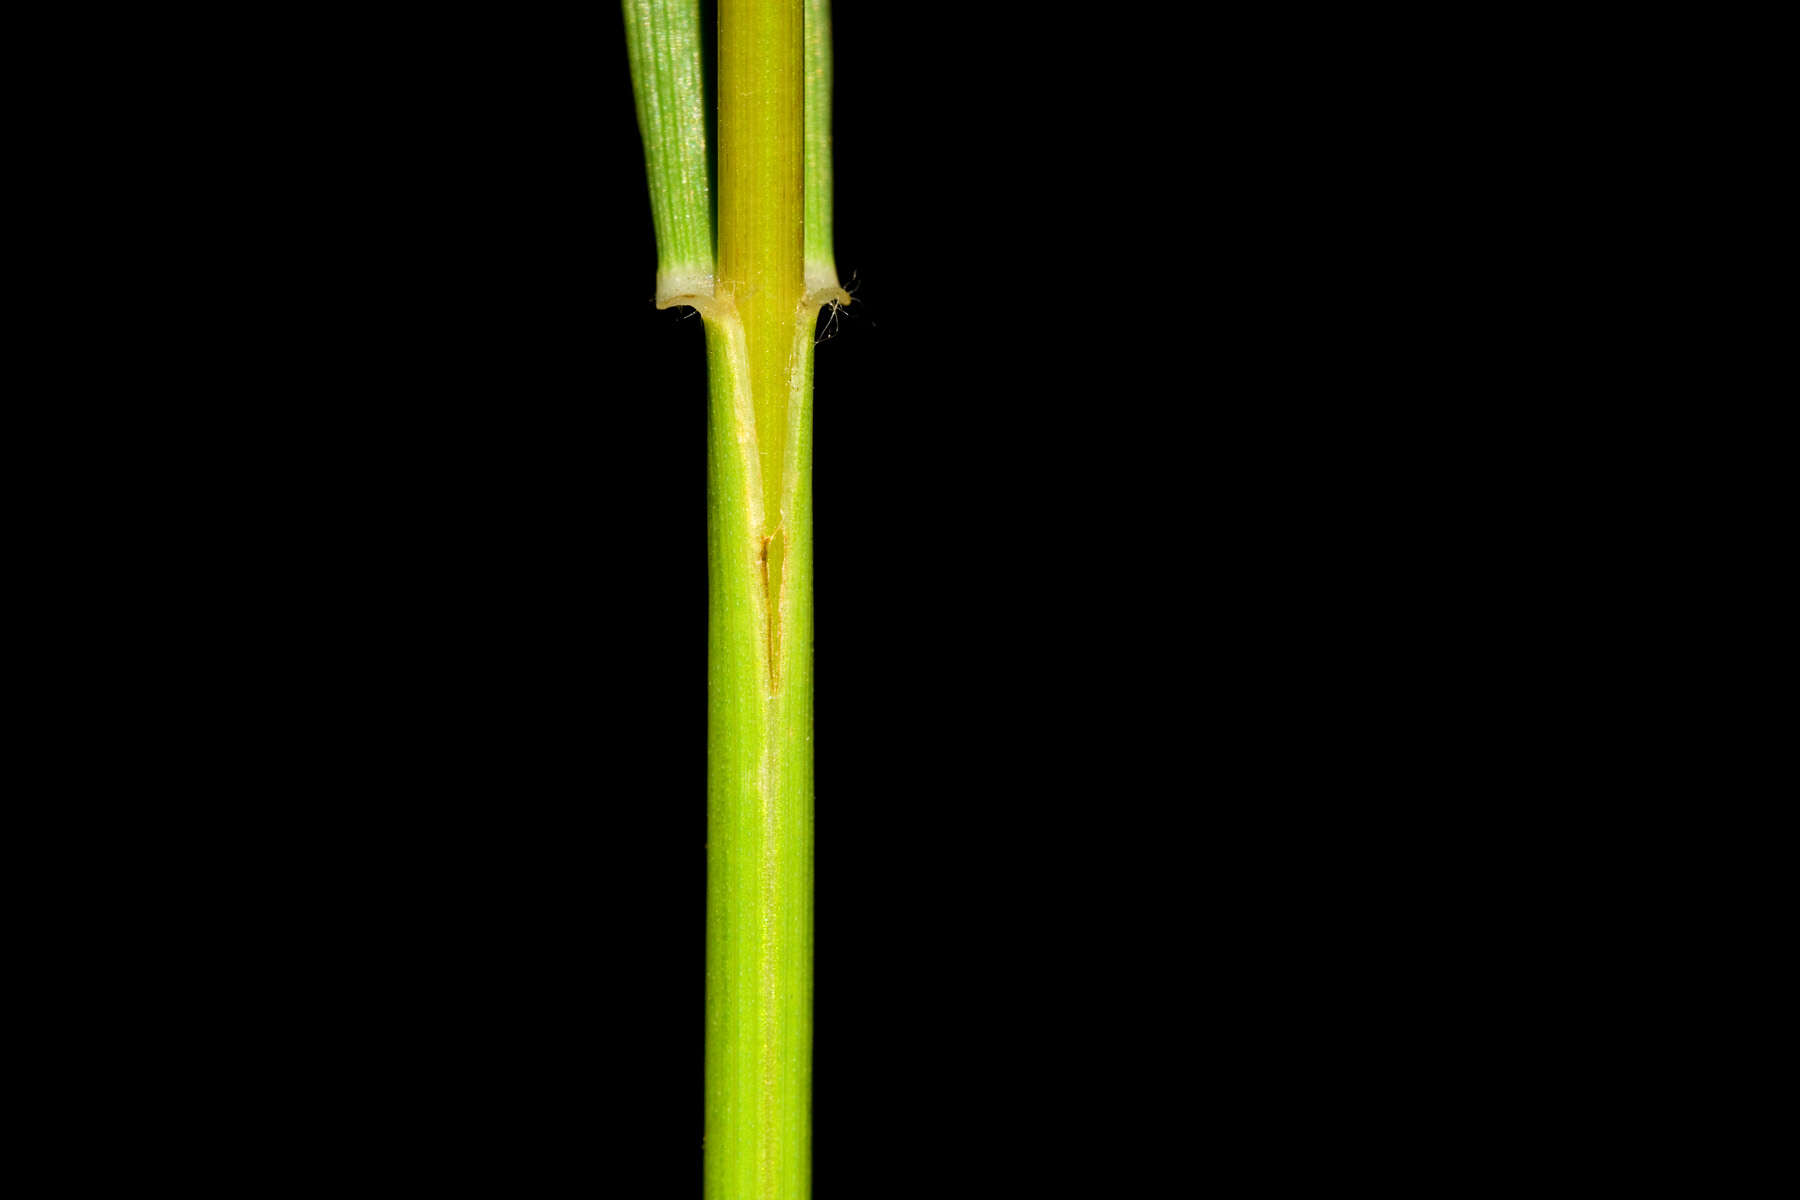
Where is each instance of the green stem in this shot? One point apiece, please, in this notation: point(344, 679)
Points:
point(774, 271)
point(762, 168)
point(760, 798)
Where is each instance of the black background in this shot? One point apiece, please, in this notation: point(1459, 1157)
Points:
point(534, 542)
point(964, 497)
point(423, 586)
point(1187, 634)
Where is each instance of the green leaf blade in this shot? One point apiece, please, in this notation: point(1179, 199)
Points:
point(663, 42)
